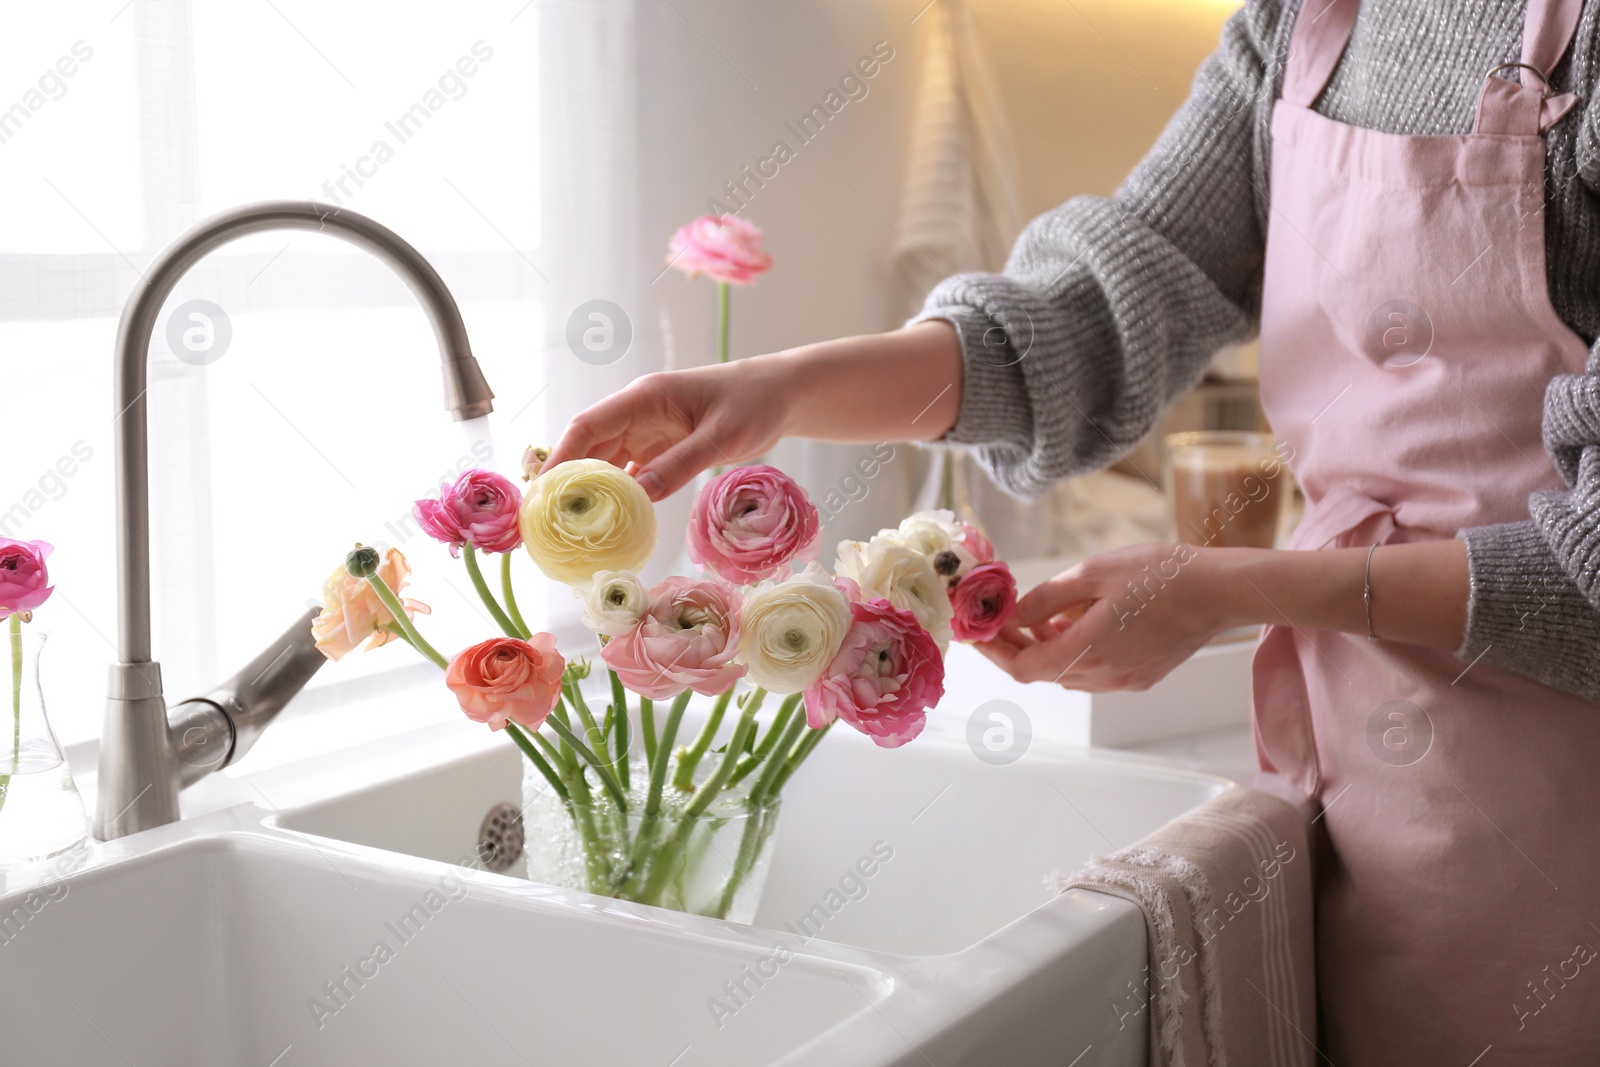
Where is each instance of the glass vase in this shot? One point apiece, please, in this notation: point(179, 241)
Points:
point(41, 813)
point(712, 864)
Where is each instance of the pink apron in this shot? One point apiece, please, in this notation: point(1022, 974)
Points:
point(1407, 337)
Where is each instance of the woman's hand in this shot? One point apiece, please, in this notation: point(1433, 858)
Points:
point(670, 426)
point(1120, 620)
point(899, 386)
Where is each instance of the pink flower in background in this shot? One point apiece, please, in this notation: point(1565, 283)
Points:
point(505, 680)
point(883, 679)
point(480, 509)
point(984, 601)
point(24, 581)
point(973, 541)
point(687, 640)
point(352, 612)
point(725, 247)
point(749, 523)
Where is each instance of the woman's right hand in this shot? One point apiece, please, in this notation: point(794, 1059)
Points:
point(669, 426)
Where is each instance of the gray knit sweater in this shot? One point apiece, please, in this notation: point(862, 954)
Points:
point(1119, 304)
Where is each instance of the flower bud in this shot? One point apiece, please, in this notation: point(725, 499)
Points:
point(534, 458)
point(362, 562)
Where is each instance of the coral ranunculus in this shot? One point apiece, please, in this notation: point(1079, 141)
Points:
point(984, 601)
point(585, 516)
point(687, 640)
point(24, 580)
point(480, 510)
point(506, 680)
point(750, 522)
point(883, 679)
point(725, 247)
point(352, 612)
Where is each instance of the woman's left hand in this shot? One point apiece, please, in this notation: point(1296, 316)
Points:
point(1120, 620)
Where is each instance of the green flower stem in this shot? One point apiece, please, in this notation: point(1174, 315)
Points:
point(658, 768)
point(777, 762)
point(665, 860)
point(510, 594)
point(607, 781)
point(551, 752)
point(16, 706)
point(749, 844)
point(780, 722)
point(621, 726)
point(408, 629)
point(647, 727)
point(591, 728)
point(469, 556)
point(559, 713)
point(538, 761)
point(722, 322)
point(683, 779)
point(807, 745)
point(594, 854)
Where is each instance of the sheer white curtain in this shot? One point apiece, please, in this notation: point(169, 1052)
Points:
point(322, 419)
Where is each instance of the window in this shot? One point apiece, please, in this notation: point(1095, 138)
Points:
point(322, 418)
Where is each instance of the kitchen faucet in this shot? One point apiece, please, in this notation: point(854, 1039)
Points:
point(148, 753)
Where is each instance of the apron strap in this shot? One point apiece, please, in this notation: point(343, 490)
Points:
point(1530, 105)
point(1321, 31)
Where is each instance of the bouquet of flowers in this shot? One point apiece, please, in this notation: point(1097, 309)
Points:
point(863, 645)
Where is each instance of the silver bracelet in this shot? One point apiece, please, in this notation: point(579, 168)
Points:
point(1366, 592)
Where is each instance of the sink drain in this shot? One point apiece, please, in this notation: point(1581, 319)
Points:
point(500, 838)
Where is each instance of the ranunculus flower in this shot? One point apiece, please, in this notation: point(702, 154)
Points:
point(352, 612)
point(884, 678)
point(973, 540)
point(24, 579)
point(889, 568)
point(585, 516)
point(983, 600)
point(506, 680)
point(534, 458)
point(750, 522)
point(725, 247)
point(614, 603)
point(687, 640)
point(792, 629)
point(480, 509)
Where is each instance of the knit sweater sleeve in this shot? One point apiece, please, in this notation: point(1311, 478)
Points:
point(1109, 309)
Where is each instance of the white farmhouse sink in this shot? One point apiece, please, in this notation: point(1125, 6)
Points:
point(213, 941)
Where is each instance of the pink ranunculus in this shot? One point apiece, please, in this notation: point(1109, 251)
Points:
point(506, 680)
point(973, 540)
point(480, 509)
point(687, 640)
point(984, 600)
point(749, 523)
point(725, 247)
point(883, 679)
point(24, 581)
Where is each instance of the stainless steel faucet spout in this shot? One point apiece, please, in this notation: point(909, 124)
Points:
point(143, 759)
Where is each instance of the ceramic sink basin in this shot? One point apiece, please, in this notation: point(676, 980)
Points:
point(253, 947)
point(317, 912)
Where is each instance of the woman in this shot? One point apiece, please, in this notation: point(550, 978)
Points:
point(1404, 206)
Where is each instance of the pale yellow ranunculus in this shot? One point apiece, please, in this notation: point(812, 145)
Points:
point(585, 516)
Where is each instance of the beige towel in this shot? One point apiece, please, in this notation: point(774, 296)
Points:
point(959, 208)
point(1226, 895)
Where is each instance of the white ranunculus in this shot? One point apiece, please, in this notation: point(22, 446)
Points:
point(888, 567)
point(791, 630)
point(614, 603)
point(933, 533)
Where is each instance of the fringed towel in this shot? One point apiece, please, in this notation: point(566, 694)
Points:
point(1226, 896)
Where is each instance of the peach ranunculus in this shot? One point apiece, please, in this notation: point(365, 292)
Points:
point(352, 612)
point(508, 680)
point(726, 248)
point(687, 640)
